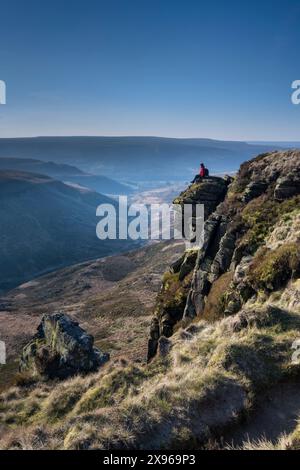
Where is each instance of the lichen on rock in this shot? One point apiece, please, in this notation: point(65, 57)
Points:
point(60, 349)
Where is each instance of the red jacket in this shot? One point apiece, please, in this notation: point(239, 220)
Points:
point(202, 172)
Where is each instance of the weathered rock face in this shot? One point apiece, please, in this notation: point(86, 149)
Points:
point(176, 285)
point(60, 349)
point(262, 177)
point(214, 257)
point(288, 186)
point(210, 192)
point(254, 189)
point(265, 190)
point(268, 168)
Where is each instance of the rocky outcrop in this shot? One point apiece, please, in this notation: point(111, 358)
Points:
point(209, 192)
point(60, 349)
point(287, 186)
point(259, 197)
point(185, 264)
point(209, 261)
point(234, 246)
point(170, 307)
point(253, 190)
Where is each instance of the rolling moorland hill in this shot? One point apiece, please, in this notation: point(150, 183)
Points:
point(135, 158)
point(66, 173)
point(45, 225)
point(221, 339)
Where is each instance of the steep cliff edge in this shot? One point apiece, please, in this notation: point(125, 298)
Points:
point(177, 281)
point(225, 272)
point(232, 338)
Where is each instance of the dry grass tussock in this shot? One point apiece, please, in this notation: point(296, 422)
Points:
point(283, 443)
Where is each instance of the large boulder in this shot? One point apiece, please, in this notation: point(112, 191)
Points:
point(60, 349)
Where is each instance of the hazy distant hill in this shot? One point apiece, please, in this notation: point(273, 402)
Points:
point(38, 166)
point(46, 224)
point(283, 144)
point(65, 172)
point(135, 158)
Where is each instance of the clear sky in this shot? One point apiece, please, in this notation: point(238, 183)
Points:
point(182, 68)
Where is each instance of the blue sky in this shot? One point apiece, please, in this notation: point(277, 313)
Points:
point(186, 68)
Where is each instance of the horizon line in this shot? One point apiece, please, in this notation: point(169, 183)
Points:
point(215, 139)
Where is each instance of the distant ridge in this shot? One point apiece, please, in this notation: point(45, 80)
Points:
point(135, 158)
point(65, 172)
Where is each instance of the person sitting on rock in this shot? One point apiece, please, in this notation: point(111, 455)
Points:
point(202, 174)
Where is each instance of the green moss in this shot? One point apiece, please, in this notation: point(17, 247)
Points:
point(190, 193)
point(260, 216)
point(215, 305)
point(174, 292)
point(272, 269)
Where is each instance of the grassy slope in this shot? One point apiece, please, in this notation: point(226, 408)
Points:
point(213, 374)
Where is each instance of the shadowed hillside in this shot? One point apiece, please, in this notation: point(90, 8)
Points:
point(66, 173)
point(46, 224)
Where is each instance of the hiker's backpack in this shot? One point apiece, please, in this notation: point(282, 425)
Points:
point(206, 172)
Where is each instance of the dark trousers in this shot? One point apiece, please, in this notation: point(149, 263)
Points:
point(197, 179)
